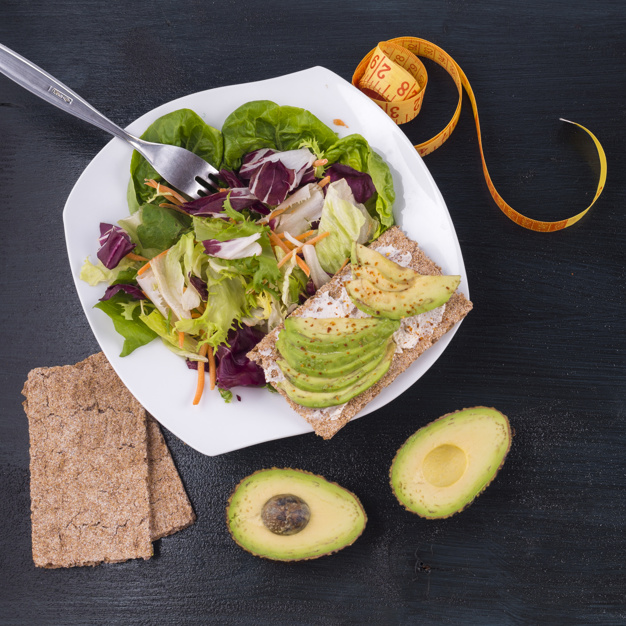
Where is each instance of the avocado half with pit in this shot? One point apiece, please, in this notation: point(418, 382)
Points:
point(293, 515)
point(445, 465)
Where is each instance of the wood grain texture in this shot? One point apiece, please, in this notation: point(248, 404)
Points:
point(545, 342)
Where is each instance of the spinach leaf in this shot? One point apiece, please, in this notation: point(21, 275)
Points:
point(160, 228)
point(179, 128)
point(264, 124)
point(134, 331)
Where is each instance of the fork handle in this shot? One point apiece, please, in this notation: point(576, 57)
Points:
point(39, 82)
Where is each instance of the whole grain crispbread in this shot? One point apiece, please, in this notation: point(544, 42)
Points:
point(97, 461)
point(88, 467)
point(170, 508)
point(265, 353)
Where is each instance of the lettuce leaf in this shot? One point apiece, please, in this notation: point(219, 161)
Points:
point(95, 274)
point(179, 128)
point(159, 228)
point(134, 331)
point(264, 124)
point(346, 222)
point(354, 151)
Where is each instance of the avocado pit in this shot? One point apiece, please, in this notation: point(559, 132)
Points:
point(285, 514)
point(444, 465)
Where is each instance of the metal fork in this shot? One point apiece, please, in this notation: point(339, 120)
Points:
point(179, 167)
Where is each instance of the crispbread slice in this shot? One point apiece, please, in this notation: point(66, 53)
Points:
point(89, 468)
point(265, 353)
point(169, 505)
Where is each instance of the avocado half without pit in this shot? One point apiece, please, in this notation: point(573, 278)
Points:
point(445, 465)
point(293, 515)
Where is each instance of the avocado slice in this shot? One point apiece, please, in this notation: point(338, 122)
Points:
point(362, 255)
point(327, 364)
point(445, 465)
point(377, 278)
point(308, 382)
point(423, 294)
point(293, 515)
point(323, 399)
point(337, 334)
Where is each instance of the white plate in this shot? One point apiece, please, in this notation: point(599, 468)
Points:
point(159, 379)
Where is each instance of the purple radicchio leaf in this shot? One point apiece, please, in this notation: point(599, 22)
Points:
point(250, 162)
point(213, 205)
point(131, 290)
point(192, 365)
point(234, 367)
point(115, 244)
point(200, 286)
point(231, 179)
point(272, 182)
point(308, 177)
point(360, 182)
point(238, 248)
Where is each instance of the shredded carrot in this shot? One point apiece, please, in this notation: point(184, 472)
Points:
point(303, 236)
point(143, 268)
point(303, 266)
point(343, 265)
point(200, 385)
point(312, 242)
point(212, 369)
point(195, 315)
point(181, 339)
point(287, 257)
point(275, 213)
point(135, 257)
point(276, 241)
point(324, 181)
point(320, 162)
point(176, 198)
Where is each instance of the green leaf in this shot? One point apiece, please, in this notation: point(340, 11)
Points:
point(95, 274)
point(226, 394)
point(160, 228)
point(264, 124)
point(179, 128)
point(134, 331)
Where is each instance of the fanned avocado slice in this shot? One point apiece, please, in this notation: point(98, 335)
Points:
point(445, 465)
point(362, 255)
point(378, 279)
point(320, 400)
point(337, 334)
point(328, 364)
point(308, 382)
point(293, 515)
point(423, 294)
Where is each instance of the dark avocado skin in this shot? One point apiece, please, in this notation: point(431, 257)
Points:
point(307, 382)
point(313, 335)
point(328, 364)
point(320, 400)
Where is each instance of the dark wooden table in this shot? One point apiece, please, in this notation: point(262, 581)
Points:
point(546, 542)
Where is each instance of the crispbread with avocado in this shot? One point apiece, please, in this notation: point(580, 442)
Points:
point(324, 423)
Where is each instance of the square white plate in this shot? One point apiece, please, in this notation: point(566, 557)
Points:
point(159, 379)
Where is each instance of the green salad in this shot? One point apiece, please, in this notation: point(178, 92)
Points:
point(210, 277)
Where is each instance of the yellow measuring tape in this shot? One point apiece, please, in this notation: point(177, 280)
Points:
point(395, 79)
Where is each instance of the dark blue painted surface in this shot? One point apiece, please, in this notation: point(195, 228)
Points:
point(545, 343)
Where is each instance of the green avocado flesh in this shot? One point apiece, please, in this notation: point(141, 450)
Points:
point(324, 399)
point(337, 334)
point(361, 255)
point(328, 364)
point(445, 465)
point(309, 382)
point(379, 280)
point(423, 294)
point(336, 517)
